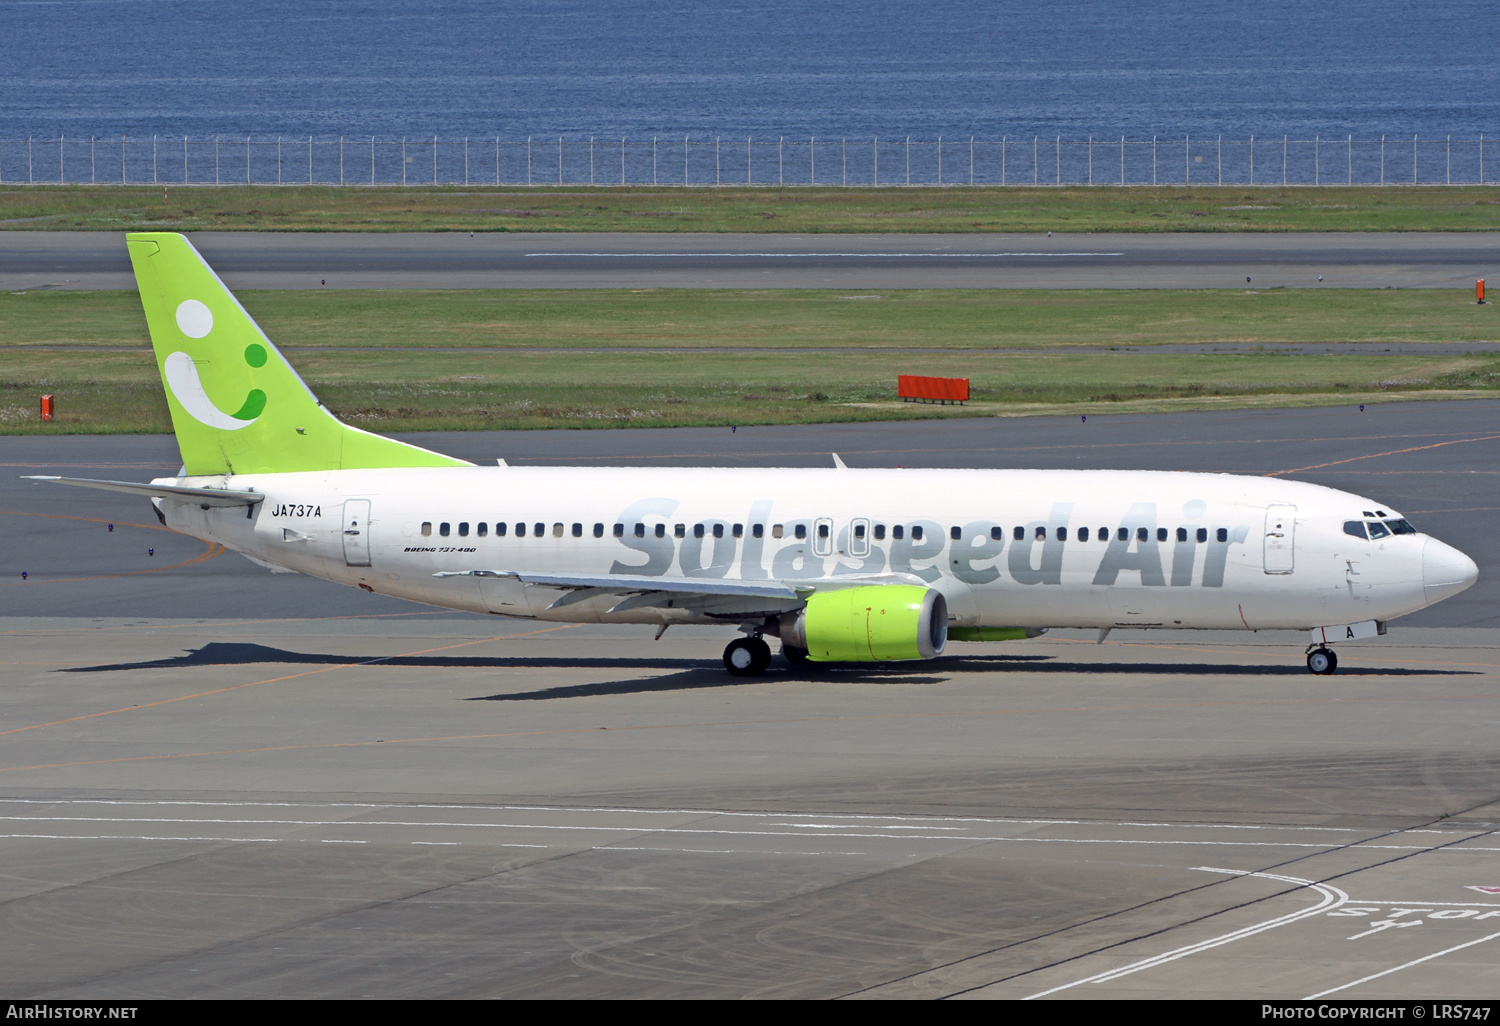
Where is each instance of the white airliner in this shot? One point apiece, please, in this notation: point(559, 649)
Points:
point(841, 565)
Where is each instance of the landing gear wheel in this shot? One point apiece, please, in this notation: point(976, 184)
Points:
point(794, 655)
point(747, 657)
point(1322, 660)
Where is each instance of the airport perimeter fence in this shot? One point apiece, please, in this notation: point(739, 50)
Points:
point(684, 160)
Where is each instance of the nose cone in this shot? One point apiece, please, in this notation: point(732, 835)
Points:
point(1445, 571)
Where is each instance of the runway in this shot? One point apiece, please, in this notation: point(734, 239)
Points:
point(219, 782)
point(454, 260)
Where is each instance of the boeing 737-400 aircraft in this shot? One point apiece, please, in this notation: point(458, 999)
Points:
point(841, 565)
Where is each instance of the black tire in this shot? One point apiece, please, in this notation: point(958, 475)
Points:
point(794, 655)
point(1322, 661)
point(747, 657)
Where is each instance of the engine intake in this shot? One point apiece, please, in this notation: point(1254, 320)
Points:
point(877, 623)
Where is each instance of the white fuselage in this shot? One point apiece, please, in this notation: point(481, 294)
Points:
point(1034, 548)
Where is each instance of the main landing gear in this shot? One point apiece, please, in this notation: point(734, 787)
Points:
point(747, 657)
point(1321, 660)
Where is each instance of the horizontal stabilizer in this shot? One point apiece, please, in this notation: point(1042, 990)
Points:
point(202, 496)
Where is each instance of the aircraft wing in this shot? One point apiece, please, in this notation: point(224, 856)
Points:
point(711, 596)
point(699, 594)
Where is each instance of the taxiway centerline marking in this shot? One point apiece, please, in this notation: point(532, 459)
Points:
point(1377, 455)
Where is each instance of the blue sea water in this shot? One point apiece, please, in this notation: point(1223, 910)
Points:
point(512, 68)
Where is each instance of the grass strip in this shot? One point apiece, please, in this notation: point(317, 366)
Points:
point(753, 319)
point(397, 361)
point(1229, 208)
point(114, 391)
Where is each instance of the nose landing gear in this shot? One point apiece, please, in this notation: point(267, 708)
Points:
point(1321, 660)
point(747, 657)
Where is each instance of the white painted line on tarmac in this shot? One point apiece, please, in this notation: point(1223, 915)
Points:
point(728, 813)
point(896, 256)
point(837, 830)
point(1434, 904)
point(1407, 965)
point(128, 837)
point(1332, 898)
point(727, 851)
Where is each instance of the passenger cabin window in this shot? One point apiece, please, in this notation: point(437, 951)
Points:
point(916, 532)
point(500, 530)
point(1062, 534)
point(1141, 534)
point(520, 530)
point(619, 530)
point(776, 530)
point(481, 529)
point(1124, 534)
point(1020, 533)
point(1377, 530)
point(463, 529)
point(1222, 534)
point(757, 530)
point(1083, 534)
point(640, 530)
point(577, 530)
point(801, 531)
point(1161, 534)
point(1182, 534)
point(956, 533)
point(898, 532)
point(539, 530)
point(739, 530)
point(1355, 528)
point(998, 533)
point(822, 531)
point(598, 530)
point(427, 529)
point(1104, 534)
point(880, 532)
point(443, 529)
point(1202, 534)
point(697, 530)
point(679, 530)
point(661, 530)
point(557, 530)
point(718, 530)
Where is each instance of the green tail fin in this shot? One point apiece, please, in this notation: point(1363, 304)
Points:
point(237, 406)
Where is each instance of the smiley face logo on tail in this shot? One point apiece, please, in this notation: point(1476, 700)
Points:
point(195, 320)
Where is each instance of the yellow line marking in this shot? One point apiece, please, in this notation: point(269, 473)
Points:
point(1377, 455)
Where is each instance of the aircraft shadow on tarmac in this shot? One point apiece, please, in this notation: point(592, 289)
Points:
point(695, 674)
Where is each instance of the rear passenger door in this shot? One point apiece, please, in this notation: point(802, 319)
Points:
point(357, 532)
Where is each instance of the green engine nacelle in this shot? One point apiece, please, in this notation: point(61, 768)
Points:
point(871, 624)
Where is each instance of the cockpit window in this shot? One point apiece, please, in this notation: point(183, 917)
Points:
point(1356, 528)
point(1378, 530)
point(1400, 527)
